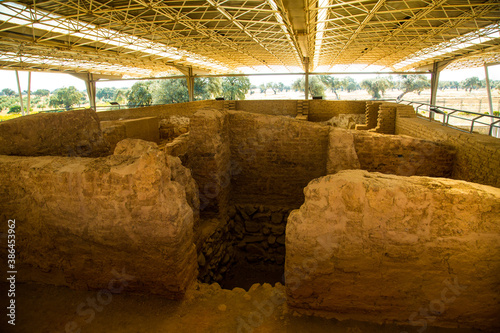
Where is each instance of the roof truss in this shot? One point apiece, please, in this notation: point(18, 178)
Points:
point(147, 38)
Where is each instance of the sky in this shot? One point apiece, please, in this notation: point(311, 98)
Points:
point(52, 81)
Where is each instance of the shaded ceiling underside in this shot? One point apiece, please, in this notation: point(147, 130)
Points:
point(146, 38)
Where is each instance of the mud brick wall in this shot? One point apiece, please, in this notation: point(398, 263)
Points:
point(274, 158)
point(161, 111)
point(385, 248)
point(271, 107)
point(403, 155)
point(141, 128)
point(371, 115)
point(70, 133)
point(321, 110)
point(78, 219)
point(386, 120)
point(477, 156)
point(209, 160)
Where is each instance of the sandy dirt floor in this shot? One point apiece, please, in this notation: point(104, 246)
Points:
point(207, 308)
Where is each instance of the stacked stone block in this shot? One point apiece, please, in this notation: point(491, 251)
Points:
point(216, 250)
point(260, 232)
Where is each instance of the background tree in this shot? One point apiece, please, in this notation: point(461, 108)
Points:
point(272, 86)
point(280, 86)
point(262, 88)
point(316, 87)
point(214, 87)
point(169, 91)
point(413, 82)
point(106, 94)
point(8, 92)
point(15, 109)
point(66, 97)
point(139, 94)
point(331, 83)
point(235, 87)
point(349, 84)
point(471, 83)
point(42, 92)
point(375, 87)
point(121, 96)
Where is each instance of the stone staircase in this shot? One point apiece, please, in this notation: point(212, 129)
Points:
point(230, 105)
point(302, 110)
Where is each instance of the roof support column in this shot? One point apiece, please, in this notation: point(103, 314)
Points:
point(488, 88)
point(20, 93)
point(90, 84)
point(434, 82)
point(490, 100)
point(190, 83)
point(306, 84)
point(29, 94)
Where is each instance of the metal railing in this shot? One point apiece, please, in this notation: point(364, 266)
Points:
point(449, 114)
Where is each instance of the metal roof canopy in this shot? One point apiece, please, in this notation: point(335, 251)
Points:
point(150, 38)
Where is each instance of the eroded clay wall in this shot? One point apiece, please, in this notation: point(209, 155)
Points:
point(70, 133)
point(477, 156)
point(80, 219)
point(273, 158)
point(384, 248)
point(209, 160)
point(161, 111)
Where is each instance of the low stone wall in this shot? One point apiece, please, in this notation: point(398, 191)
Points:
point(403, 155)
point(260, 232)
point(476, 155)
point(384, 248)
point(71, 133)
point(216, 250)
point(80, 219)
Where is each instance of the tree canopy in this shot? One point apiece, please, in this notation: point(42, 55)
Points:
point(235, 87)
point(66, 97)
point(375, 87)
point(472, 83)
point(8, 92)
point(139, 94)
point(316, 87)
point(413, 82)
